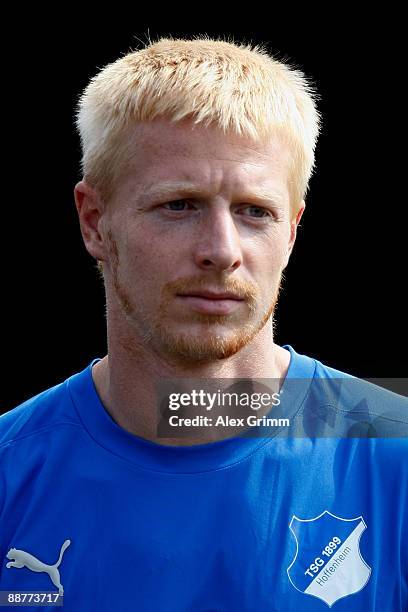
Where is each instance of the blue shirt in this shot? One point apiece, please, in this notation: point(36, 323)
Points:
point(306, 517)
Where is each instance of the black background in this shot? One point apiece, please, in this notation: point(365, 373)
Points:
point(343, 300)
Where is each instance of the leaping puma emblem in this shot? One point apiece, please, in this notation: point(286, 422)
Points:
point(21, 558)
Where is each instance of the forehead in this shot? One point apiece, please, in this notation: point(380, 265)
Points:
point(163, 151)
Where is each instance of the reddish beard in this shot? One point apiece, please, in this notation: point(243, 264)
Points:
point(210, 344)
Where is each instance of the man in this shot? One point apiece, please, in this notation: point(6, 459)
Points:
point(196, 160)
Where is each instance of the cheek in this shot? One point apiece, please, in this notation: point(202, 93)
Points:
point(265, 255)
point(150, 258)
point(146, 266)
point(154, 246)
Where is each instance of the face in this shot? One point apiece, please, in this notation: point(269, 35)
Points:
point(196, 238)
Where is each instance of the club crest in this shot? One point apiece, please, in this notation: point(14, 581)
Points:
point(328, 562)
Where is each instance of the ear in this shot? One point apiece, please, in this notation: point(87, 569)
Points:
point(293, 231)
point(90, 212)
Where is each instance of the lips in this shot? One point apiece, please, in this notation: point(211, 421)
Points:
point(212, 295)
point(211, 302)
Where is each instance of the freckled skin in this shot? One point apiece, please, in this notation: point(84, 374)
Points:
point(216, 241)
point(193, 209)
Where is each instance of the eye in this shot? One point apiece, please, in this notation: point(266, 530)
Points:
point(255, 211)
point(177, 205)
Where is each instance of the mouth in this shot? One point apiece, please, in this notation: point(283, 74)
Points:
point(212, 295)
point(210, 302)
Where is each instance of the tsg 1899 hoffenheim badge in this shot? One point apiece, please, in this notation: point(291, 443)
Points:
point(328, 562)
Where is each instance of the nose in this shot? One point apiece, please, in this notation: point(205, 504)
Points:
point(218, 247)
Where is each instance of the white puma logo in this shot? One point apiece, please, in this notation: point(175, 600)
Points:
point(21, 558)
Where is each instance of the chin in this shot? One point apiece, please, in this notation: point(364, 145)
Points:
point(206, 345)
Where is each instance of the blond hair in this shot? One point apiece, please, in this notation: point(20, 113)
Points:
point(236, 87)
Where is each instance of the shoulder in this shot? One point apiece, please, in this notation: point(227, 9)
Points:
point(343, 405)
point(49, 409)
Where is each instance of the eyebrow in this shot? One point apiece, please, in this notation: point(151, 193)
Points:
point(181, 189)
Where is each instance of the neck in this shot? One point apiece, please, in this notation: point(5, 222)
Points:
point(128, 377)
